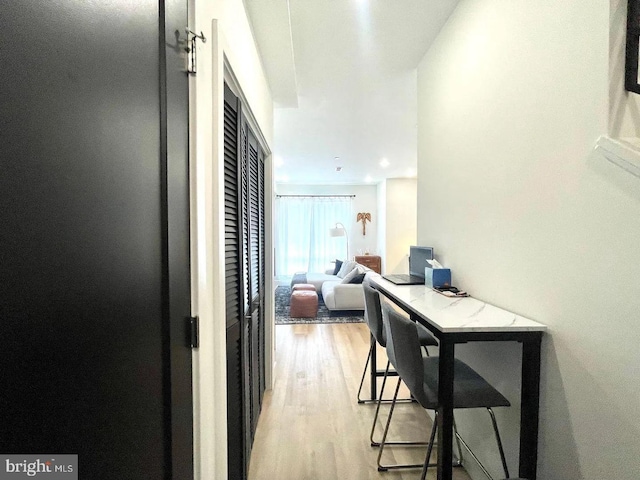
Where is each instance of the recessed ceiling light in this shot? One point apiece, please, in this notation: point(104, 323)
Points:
point(368, 179)
point(384, 163)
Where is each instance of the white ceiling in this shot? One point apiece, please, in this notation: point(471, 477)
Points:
point(343, 78)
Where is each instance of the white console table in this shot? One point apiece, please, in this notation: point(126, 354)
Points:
point(455, 320)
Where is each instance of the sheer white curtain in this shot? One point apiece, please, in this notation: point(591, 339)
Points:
point(302, 228)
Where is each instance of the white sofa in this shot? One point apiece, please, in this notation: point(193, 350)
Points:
point(338, 295)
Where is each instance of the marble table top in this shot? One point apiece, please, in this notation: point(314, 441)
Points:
point(456, 314)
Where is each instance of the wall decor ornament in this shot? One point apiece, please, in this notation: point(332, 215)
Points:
point(632, 57)
point(364, 217)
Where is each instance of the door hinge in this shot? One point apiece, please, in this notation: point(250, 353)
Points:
point(194, 333)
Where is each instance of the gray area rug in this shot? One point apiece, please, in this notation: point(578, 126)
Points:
point(283, 293)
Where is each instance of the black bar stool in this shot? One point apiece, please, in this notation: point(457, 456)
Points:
point(373, 317)
point(420, 374)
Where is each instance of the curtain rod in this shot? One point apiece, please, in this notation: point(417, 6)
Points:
point(349, 196)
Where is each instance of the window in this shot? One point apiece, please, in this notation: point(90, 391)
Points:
point(302, 228)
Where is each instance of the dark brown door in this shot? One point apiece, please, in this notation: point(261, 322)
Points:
point(94, 236)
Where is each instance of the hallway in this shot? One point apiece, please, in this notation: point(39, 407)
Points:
point(311, 426)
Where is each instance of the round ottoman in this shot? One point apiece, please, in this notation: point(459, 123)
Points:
point(304, 304)
point(303, 286)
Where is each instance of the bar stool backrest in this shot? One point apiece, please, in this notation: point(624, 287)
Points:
point(373, 314)
point(403, 350)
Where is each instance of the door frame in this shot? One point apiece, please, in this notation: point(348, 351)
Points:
point(207, 259)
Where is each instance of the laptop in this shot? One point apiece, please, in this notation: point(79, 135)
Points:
point(418, 257)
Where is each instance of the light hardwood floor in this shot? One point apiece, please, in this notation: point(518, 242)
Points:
point(312, 428)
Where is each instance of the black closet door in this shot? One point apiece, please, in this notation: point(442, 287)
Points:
point(244, 266)
point(94, 258)
point(234, 288)
point(256, 282)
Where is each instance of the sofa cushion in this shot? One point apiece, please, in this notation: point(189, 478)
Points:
point(340, 296)
point(352, 274)
point(318, 279)
point(347, 266)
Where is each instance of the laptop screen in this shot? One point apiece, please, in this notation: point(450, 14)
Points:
point(418, 257)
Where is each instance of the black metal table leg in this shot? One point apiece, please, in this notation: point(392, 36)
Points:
point(445, 410)
point(529, 407)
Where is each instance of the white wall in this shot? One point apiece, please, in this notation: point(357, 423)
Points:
point(401, 227)
point(365, 201)
point(225, 25)
point(512, 97)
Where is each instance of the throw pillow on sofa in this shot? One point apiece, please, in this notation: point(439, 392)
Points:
point(338, 267)
point(347, 266)
point(358, 279)
point(351, 275)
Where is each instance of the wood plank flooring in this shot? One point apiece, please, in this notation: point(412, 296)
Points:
point(312, 428)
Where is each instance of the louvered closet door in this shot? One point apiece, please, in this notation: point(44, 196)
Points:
point(262, 275)
point(237, 460)
point(231, 210)
point(256, 288)
point(245, 274)
point(246, 320)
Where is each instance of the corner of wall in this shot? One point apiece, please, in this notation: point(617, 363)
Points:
point(381, 196)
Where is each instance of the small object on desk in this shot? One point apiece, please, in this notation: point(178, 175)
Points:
point(447, 287)
point(451, 291)
point(437, 277)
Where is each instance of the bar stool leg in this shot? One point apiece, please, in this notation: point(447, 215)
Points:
point(432, 439)
point(457, 437)
point(375, 418)
point(432, 442)
point(364, 372)
point(384, 468)
point(499, 441)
